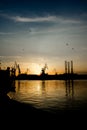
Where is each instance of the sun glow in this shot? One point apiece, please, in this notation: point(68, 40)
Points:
point(36, 68)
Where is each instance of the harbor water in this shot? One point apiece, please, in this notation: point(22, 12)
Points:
point(51, 95)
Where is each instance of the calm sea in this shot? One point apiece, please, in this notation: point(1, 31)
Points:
point(51, 95)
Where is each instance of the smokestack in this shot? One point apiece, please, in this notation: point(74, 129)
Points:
point(71, 67)
point(68, 67)
point(65, 67)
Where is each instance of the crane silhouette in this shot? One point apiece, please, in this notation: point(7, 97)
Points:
point(44, 69)
point(15, 68)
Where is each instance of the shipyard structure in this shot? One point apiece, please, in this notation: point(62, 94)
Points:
point(9, 75)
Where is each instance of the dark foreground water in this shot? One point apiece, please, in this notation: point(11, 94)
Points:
point(51, 95)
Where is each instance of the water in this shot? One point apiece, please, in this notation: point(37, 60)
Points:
point(51, 95)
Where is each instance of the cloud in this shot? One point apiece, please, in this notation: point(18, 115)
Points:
point(72, 21)
point(10, 57)
point(6, 33)
point(55, 19)
point(47, 18)
point(36, 19)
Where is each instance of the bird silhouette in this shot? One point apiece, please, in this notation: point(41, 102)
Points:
point(67, 44)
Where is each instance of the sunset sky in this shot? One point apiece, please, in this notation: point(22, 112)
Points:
point(33, 33)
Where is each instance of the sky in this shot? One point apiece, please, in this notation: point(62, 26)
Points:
point(35, 33)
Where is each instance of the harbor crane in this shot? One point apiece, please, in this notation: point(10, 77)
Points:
point(15, 68)
point(44, 69)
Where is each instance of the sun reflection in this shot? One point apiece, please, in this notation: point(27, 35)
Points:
point(38, 88)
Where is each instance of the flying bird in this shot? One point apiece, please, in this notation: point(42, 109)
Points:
point(72, 48)
point(67, 44)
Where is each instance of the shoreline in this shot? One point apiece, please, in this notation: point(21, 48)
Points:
point(15, 114)
point(12, 106)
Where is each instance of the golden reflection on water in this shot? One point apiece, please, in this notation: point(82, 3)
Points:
point(50, 94)
point(38, 91)
point(38, 88)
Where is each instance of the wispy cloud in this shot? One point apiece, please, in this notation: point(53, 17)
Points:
point(56, 19)
point(47, 18)
point(10, 57)
point(6, 33)
point(29, 19)
point(36, 19)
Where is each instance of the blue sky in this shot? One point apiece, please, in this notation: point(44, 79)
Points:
point(37, 32)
